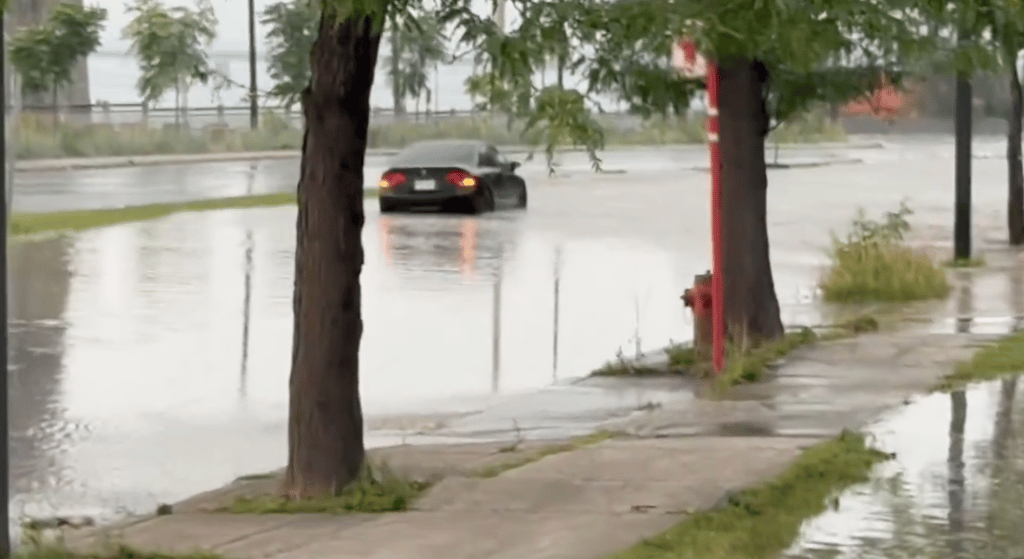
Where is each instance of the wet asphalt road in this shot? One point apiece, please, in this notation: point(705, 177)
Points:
point(150, 361)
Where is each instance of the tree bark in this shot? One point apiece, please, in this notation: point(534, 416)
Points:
point(1015, 200)
point(325, 425)
point(751, 307)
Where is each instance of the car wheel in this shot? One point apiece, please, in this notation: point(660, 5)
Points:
point(482, 201)
point(388, 207)
point(521, 203)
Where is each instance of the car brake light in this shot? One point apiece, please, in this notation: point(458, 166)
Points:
point(461, 178)
point(391, 179)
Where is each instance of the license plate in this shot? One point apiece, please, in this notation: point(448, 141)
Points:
point(425, 185)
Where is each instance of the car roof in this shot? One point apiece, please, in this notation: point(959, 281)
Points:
point(445, 143)
point(440, 151)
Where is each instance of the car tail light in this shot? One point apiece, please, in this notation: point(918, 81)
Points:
point(391, 179)
point(461, 178)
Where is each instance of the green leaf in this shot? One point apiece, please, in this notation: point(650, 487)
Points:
point(45, 55)
point(170, 45)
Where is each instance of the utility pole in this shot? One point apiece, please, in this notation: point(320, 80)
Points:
point(254, 103)
point(5, 496)
point(962, 206)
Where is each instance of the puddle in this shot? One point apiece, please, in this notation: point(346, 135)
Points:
point(954, 489)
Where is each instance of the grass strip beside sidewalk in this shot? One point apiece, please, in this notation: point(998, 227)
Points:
point(992, 361)
point(80, 220)
point(762, 522)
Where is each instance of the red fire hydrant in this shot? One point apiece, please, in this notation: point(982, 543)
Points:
point(698, 298)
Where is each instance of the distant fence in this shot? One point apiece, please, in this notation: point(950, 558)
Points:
point(141, 114)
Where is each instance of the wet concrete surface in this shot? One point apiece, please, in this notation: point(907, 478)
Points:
point(953, 491)
point(150, 361)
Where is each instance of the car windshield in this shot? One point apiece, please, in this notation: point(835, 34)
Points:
point(436, 155)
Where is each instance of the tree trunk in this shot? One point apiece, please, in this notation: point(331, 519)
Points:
point(396, 76)
point(1015, 200)
point(751, 307)
point(325, 425)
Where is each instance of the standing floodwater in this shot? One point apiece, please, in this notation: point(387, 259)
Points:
point(954, 490)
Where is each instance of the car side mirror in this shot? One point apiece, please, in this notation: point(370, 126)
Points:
point(513, 165)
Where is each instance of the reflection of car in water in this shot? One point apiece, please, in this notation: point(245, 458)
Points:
point(470, 176)
point(445, 247)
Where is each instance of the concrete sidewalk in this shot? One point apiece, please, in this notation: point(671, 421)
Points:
point(589, 502)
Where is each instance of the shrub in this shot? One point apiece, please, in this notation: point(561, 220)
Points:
point(39, 138)
point(873, 263)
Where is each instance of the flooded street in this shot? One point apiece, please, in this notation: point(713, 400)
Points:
point(150, 360)
point(953, 490)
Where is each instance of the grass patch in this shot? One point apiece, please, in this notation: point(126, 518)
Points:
point(874, 264)
point(762, 522)
point(40, 139)
point(1005, 356)
point(976, 261)
point(520, 461)
point(79, 220)
point(380, 491)
point(811, 128)
point(744, 364)
point(116, 552)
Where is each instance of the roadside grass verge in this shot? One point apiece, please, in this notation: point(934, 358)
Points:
point(39, 139)
point(80, 220)
point(761, 522)
point(976, 261)
point(116, 552)
point(744, 364)
point(874, 264)
point(528, 458)
point(377, 489)
point(1000, 358)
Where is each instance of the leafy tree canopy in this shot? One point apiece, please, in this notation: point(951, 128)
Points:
point(45, 55)
point(292, 30)
point(415, 49)
point(170, 44)
point(812, 50)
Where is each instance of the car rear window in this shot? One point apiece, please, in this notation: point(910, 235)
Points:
point(439, 155)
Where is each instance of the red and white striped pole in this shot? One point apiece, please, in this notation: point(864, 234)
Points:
point(691, 66)
point(717, 250)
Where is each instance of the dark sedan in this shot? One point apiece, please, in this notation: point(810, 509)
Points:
point(468, 176)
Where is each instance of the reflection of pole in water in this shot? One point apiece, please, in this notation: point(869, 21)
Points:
point(554, 332)
point(246, 311)
point(250, 182)
point(384, 226)
point(1016, 288)
point(1004, 416)
point(467, 247)
point(496, 340)
point(956, 485)
point(964, 305)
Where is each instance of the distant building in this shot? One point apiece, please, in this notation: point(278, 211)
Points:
point(23, 13)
